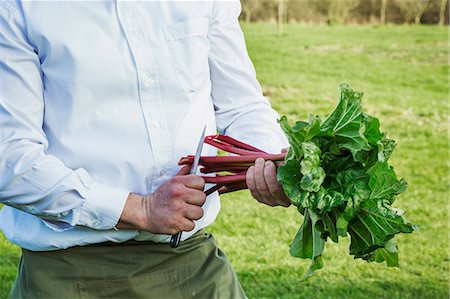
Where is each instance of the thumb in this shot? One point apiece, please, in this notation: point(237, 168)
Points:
point(184, 170)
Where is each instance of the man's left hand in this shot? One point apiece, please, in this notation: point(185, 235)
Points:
point(262, 182)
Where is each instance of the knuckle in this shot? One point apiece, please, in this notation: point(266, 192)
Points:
point(176, 190)
point(177, 206)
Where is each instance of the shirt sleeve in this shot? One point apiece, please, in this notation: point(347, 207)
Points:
point(30, 179)
point(240, 107)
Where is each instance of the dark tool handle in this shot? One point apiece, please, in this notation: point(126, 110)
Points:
point(175, 240)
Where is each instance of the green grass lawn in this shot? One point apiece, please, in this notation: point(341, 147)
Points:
point(404, 73)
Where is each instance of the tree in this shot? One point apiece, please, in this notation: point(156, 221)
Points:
point(442, 12)
point(281, 13)
point(337, 11)
point(383, 11)
point(413, 9)
point(249, 7)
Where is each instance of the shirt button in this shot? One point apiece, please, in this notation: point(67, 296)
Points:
point(162, 172)
point(96, 224)
point(156, 124)
point(147, 79)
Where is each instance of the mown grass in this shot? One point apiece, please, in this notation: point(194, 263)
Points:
point(404, 73)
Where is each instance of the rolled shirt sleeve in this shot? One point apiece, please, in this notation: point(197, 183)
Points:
point(240, 107)
point(30, 179)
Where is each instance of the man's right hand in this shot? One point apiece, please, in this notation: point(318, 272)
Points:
point(170, 209)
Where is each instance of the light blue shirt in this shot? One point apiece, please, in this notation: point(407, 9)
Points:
point(100, 99)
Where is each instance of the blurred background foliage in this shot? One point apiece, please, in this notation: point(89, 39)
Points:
point(346, 11)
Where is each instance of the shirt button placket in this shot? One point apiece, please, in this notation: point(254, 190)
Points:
point(149, 94)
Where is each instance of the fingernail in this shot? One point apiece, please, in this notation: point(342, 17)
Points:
point(259, 161)
point(268, 163)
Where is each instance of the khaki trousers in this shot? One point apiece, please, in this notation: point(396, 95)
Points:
point(195, 269)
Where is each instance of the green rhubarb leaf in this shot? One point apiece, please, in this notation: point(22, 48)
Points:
point(380, 152)
point(374, 226)
point(290, 154)
point(388, 253)
point(384, 183)
point(385, 149)
point(313, 174)
point(372, 129)
point(321, 201)
point(289, 176)
point(354, 186)
point(313, 128)
point(327, 225)
point(301, 132)
point(295, 134)
point(354, 181)
point(347, 123)
point(308, 243)
point(333, 165)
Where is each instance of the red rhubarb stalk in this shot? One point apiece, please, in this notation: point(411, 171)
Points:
point(216, 160)
point(232, 145)
point(224, 179)
point(233, 187)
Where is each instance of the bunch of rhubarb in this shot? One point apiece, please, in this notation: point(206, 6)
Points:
point(336, 173)
point(230, 170)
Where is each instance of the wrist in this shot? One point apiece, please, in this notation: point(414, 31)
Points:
point(133, 214)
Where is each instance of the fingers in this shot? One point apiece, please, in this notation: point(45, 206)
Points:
point(190, 181)
point(262, 183)
point(183, 225)
point(195, 197)
point(193, 212)
point(251, 184)
point(184, 170)
point(184, 219)
point(275, 189)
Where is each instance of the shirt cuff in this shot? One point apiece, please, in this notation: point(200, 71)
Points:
point(102, 208)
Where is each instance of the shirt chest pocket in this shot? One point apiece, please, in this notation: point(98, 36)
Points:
point(188, 46)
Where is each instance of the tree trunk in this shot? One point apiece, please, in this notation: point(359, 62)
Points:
point(442, 12)
point(383, 11)
point(247, 13)
point(372, 16)
point(248, 16)
point(417, 19)
point(280, 16)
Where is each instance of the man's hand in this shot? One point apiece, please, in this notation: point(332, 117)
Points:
point(262, 182)
point(170, 209)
